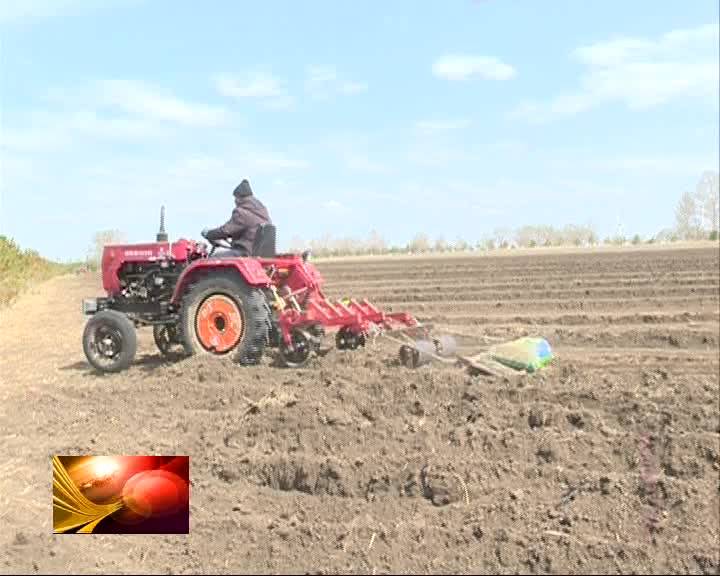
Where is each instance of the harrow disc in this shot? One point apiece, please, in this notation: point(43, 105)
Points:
point(424, 351)
point(445, 346)
point(345, 339)
point(416, 354)
point(166, 337)
point(303, 345)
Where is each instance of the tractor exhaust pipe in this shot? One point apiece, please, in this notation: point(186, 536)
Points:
point(162, 235)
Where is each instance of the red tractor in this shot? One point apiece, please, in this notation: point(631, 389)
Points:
point(204, 303)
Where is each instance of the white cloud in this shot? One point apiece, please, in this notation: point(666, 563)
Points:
point(321, 74)
point(354, 151)
point(638, 72)
point(510, 145)
point(333, 205)
point(196, 167)
point(323, 83)
point(26, 9)
point(284, 102)
point(121, 110)
point(44, 130)
point(319, 82)
point(121, 127)
point(353, 87)
point(432, 152)
point(148, 101)
point(437, 126)
point(464, 66)
point(618, 166)
point(358, 162)
point(14, 11)
point(32, 139)
point(271, 162)
point(676, 44)
point(257, 86)
point(261, 86)
point(17, 172)
point(658, 164)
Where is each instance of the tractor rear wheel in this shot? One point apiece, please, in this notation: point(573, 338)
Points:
point(222, 315)
point(109, 341)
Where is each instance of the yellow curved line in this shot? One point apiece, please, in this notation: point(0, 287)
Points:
point(88, 528)
point(58, 503)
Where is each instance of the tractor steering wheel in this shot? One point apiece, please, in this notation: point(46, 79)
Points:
point(221, 243)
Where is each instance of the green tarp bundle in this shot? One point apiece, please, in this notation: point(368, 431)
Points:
point(527, 353)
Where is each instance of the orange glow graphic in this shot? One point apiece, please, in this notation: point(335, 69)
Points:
point(104, 466)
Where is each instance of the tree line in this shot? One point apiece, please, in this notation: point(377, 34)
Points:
point(696, 218)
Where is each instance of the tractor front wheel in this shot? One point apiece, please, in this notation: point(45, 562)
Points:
point(109, 341)
point(222, 315)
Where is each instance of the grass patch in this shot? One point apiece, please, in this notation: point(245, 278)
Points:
point(20, 269)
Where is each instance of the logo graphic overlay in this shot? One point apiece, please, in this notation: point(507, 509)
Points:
point(121, 494)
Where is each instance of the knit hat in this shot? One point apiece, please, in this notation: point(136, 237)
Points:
point(243, 189)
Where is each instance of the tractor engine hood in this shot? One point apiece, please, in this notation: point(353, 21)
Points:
point(115, 255)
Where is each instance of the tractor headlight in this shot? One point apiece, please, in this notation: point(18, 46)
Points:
point(89, 306)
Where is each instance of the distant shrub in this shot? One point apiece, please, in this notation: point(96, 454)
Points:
point(20, 268)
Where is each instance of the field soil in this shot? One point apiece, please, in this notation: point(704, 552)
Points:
point(607, 461)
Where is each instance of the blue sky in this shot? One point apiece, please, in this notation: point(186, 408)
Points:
point(450, 118)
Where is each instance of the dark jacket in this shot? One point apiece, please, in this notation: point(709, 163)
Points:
point(243, 224)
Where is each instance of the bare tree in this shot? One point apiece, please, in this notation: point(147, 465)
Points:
point(100, 240)
point(572, 234)
point(548, 236)
point(527, 236)
point(665, 235)
point(485, 243)
point(419, 244)
point(297, 245)
point(376, 243)
point(461, 245)
point(707, 194)
point(503, 237)
point(686, 217)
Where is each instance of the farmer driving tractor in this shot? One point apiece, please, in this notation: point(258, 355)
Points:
point(248, 213)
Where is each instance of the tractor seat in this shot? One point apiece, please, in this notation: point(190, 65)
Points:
point(264, 243)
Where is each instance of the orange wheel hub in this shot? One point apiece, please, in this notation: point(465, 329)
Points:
point(219, 324)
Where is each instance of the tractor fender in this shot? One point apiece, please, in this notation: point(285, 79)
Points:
point(250, 270)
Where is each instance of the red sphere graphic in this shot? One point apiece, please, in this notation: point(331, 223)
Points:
point(155, 493)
